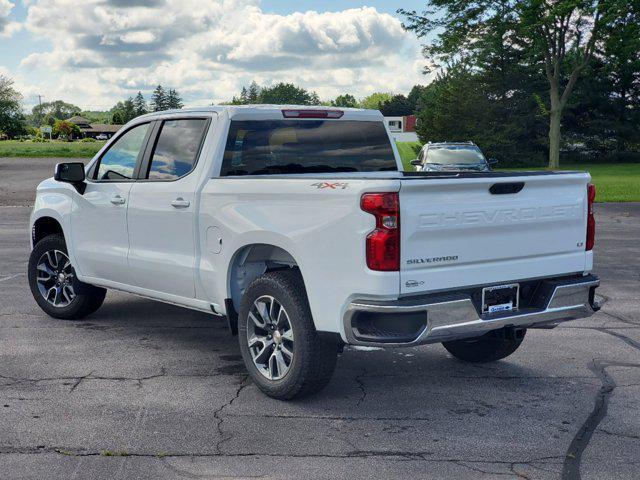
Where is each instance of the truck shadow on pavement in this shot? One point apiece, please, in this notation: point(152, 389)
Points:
point(203, 342)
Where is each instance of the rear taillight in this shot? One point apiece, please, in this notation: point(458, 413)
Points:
point(591, 220)
point(383, 244)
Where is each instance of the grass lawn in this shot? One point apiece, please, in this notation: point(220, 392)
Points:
point(14, 148)
point(408, 151)
point(615, 182)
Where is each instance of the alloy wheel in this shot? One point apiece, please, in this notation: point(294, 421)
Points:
point(55, 278)
point(270, 337)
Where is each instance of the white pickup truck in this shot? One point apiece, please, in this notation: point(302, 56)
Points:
point(299, 226)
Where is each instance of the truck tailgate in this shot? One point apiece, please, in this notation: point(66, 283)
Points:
point(455, 232)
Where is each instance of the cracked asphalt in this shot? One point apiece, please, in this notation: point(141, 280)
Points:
point(150, 391)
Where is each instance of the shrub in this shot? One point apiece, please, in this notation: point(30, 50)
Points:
point(88, 140)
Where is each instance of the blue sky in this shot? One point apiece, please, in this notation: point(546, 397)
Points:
point(288, 6)
point(96, 52)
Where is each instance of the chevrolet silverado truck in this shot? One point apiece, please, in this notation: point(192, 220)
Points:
point(298, 226)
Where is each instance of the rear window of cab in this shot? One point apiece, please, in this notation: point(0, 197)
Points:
point(268, 147)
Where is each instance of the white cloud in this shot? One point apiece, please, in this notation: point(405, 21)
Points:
point(141, 37)
point(7, 27)
point(103, 50)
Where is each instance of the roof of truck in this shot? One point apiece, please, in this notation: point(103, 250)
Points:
point(261, 107)
point(261, 110)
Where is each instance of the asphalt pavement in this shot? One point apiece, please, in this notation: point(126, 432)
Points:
point(144, 390)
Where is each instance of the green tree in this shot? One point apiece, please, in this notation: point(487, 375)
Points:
point(129, 109)
point(12, 120)
point(96, 116)
point(140, 105)
point(247, 96)
point(253, 95)
point(48, 112)
point(558, 37)
point(236, 101)
point(463, 105)
point(396, 106)
point(117, 118)
point(604, 113)
point(287, 93)
point(375, 100)
point(414, 97)
point(174, 101)
point(314, 99)
point(123, 112)
point(347, 101)
point(158, 99)
point(244, 97)
point(65, 130)
point(450, 107)
point(280, 93)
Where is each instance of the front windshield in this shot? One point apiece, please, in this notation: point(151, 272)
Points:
point(455, 155)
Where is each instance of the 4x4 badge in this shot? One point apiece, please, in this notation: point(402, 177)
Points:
point(330, 185)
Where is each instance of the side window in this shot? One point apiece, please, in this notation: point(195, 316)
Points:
point(119, 162)
point(177, 148)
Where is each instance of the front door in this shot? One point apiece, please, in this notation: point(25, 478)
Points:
point(161, 215)
point(99, 218)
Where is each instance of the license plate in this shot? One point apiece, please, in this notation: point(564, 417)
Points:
point(500, 298)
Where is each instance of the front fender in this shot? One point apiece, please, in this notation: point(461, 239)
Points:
point(54, 200)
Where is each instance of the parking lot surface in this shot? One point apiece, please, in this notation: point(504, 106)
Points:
point(147, 391)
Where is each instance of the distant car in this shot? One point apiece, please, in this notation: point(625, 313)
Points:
point(102, 136)
point(450, 156)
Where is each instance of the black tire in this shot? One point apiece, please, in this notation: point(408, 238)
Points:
point(490, 347)
point(87, 297)
point(314, 357)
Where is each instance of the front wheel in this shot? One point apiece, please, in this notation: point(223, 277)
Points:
point(280, 346)
point(490, 347)
point(54, 284)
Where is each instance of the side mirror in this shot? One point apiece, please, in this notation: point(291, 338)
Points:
point(492, 161)
point(71, 172)
point(416, 162)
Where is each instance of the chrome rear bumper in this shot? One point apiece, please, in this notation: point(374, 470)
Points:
point(452, 315)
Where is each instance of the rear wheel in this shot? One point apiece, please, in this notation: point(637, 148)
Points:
point(490, 347)
point(281, 349)
point(54, 285)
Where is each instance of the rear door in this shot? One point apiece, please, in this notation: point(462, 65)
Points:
point(162, 206)
point(455, 232)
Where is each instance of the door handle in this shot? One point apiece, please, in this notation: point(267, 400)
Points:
point(180, 203)
point(117, 200)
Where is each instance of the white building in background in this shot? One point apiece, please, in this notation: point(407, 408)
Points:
point(403, 129)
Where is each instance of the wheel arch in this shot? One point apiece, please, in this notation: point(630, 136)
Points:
point(44, 226)
point(251, 261)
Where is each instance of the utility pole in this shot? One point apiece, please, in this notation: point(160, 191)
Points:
point(40, 103)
